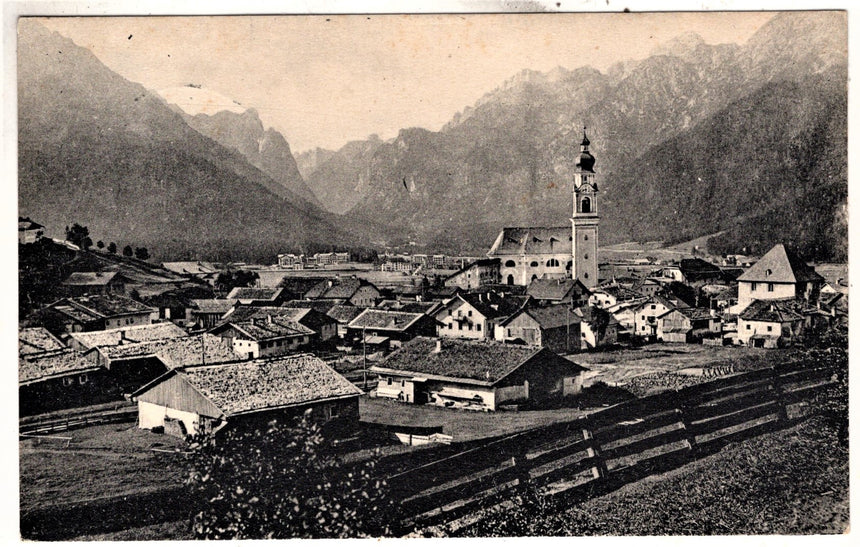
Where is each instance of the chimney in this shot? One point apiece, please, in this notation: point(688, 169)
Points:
point(330, 283)
point(488, 375)
point(122, 338)
point(269, 319)
point(438, 348)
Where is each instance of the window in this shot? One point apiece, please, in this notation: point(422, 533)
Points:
point(586, 256)
point(586, 205)
point(402, 383)
point(470, 313)
point(83, 379)
point(585, 237)
point(68, 380)
point(769, 328)
point(510, 264)
point(653, 306)
point(478, 327)
point(533, 264)
point(748, 326)
point(585, 275)
point(753, 286)
point(389, 381)
point(770, 287)
point(552, 263)
point(509, 333)
point(643, 318)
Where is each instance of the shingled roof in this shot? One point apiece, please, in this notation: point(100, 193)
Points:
point(555, 289)
point(780, 265)
point(548, 317)
point(54, 364)
point(270, 327)
point(336, 289)
point(176, 352)
point(37, 340)
point(254, 293)
point(344, 314)
point(213, 305)
point(482, 362)
point(91, 307)
point(263, 384)
point(533, 240)
point(385, 320)
point(773, 311)
point(127, 335)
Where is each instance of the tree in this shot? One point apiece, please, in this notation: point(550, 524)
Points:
point(141, 253)
point(100, 244)
point(88, 242)
point(112, 248)
point(78, 235)
point(281, 481)
point(229, 279)
point(126, 251)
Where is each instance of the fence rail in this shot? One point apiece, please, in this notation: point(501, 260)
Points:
point(618, 442)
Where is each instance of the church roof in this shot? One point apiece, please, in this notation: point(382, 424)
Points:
point(532, 240)
point(779, 265)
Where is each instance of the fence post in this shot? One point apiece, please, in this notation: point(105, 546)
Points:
point(599, 470)
point(690, 435)
point(776, 383)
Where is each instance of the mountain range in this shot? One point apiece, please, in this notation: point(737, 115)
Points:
point(692, 140)
point(99, 150)
point(746, 140)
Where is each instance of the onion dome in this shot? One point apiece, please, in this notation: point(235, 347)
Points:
point(585, 161)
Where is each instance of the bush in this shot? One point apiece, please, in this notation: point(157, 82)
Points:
point(282, 481)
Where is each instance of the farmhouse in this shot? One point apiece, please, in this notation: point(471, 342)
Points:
point(84, 283)
point(611, 295)
point(688, 325)
point(132, 365)
point(475, 275)
point(597, 327)
point(323, 326)
point(207, 312)
point(82, 341)
point(60, 379)
point(553, 327)
point(345, 291)
point(778, 275)
point(29, 231)
point(771, 323)
point(473, 316)
point(646, 314)
point(343, 315)
point(475, 375)
point(257, 296)
point(208, 398)
point(558, 291)
point(264, 336)
point(90, 313)
point(397, 326)
point(177, 304)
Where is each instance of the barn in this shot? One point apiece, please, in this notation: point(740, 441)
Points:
point(208, 398)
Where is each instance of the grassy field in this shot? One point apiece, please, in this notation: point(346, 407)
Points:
point(793, 481)
point(101, 461)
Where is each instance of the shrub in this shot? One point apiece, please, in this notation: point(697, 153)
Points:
point(282, 481)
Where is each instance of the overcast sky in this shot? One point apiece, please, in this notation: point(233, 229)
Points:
point(324, 80)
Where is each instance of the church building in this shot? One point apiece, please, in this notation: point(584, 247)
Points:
point(556, 252)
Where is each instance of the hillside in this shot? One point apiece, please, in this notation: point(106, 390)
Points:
point(97, 149)
point(341, 178)
point(506, 160)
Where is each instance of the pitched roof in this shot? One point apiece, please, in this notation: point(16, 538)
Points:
point(89, 308)
point(532, 240)
point(695, 314)
point(245, 313)
point(385, 320)
point(37, 340)
point(322, 306)
point(484, 362)
point(270, 328)
point(618, 292)
point(779, 265)
point(176, 352)
point(261, 384)
point(24, 223)
point(89, 278)
point(213, 305)
point(698, 266)
point(555, 289)
point(773, 311)
point(42, 366)
point(550, 317)
point(343, 313)
point(336, 288)
point(407, 306)
point(127, 335)
point(254, 293)
point(300, 285)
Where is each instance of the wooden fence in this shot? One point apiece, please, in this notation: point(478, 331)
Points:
point(608, 448)
point(74, 418)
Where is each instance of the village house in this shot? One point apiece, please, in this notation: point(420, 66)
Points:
point(771, 323)
point(345, 291)
point(778, 275)
point(258, 296)
point(553, 327)
point(597, 327)
point(29, 231)
point(89, 313)
point(265, 336)
point(688, 325)
point(608, 296)
point(624, 314)
point(297, 286)
point(645, 315)
point(397, 326)
point(697, 272)
point(83, 341)
point(210, 398)
point(343, 315)
point(323, 326)
point(475, 275)
point(177, 304)
point(647, 286)
point(570, 292)
point(93, 283)
point(59, 379)
point(475, 375)
point(35, 340)
point(207, 312)
point(473, 315)
point(132, 365)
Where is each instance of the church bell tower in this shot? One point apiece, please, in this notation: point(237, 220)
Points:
point(585, 218)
